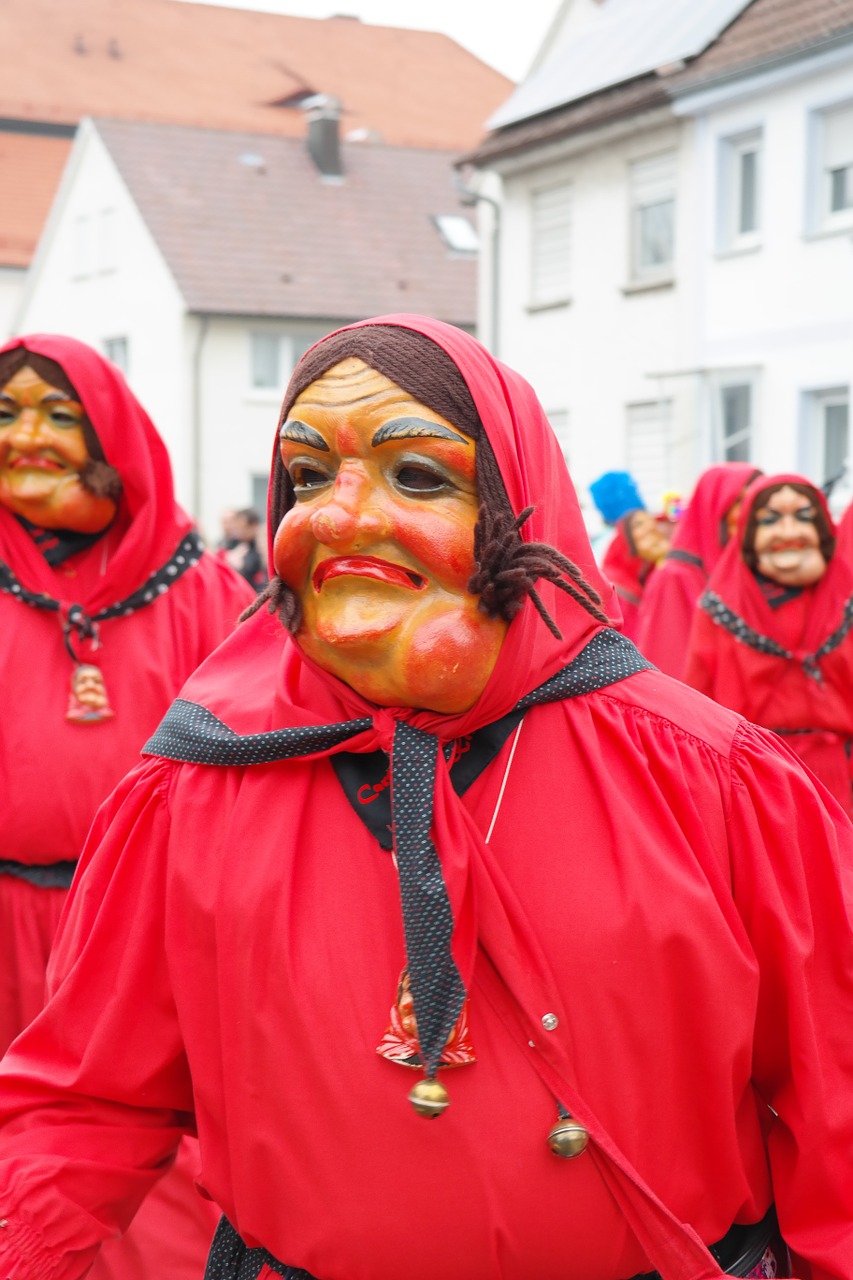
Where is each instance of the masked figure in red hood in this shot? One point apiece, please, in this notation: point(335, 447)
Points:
point(666, 613)
point(107, 603)
point(427, 775)
point(772, 635)
point(640, 543)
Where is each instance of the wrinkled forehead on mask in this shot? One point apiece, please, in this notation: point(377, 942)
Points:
point(11, 362)
point(418, 366)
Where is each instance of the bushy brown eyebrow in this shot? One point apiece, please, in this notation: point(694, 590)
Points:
point(411, 428)
point(301, 433)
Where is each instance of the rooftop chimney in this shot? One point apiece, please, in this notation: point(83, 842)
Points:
point(324, 143)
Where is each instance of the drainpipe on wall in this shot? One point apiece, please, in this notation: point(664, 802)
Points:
point(471, 197)
point(195, 419)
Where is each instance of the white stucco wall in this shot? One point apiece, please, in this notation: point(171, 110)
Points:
point(238, 422)
point(12, 283)
point(592, 357)
point(782, 311)
point(784, 308)
point(119, 287)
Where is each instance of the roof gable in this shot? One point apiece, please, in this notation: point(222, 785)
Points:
point(625, 39)
point(247, 226)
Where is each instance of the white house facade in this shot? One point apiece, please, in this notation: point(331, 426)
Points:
point(674, 254)
point(204, 263)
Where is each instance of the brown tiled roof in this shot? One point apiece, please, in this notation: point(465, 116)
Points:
point(30, 169)
point(598, 109)
point(226, 68)
point(279, 241)
point(766, 32)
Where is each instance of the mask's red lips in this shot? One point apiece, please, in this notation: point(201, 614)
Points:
point(35, 462)
point(367, 567)
point(788, 544)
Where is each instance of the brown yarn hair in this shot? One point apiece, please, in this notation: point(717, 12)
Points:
point(96, 475)
point(507, 567)
point(826, 539)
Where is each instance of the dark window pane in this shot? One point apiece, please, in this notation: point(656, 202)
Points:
point(736, 409)
point(748, 212)
point(835, 439)
point(841, 189)
point(266, 367)
point(656, 234)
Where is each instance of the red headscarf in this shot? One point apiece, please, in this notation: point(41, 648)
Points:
point(534, 473)
point(628, 572)
point(666, 613)
point(149, 523)
point(800, 683)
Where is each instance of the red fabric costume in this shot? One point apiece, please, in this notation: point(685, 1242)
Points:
point(629, 573)
point(55, 771)
point(666, 613)
point(797, 690)
point(637, 929)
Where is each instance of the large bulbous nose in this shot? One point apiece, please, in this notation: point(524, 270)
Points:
point(351, 519)
point(26, 430)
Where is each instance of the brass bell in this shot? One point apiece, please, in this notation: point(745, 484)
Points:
point(429, 1098)
point(568, 1138)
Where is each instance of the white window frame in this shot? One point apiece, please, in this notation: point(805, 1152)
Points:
point(828, 155)
point(290, 348)
point(653, 482)
point(117, 351)
point(551, 210)
point(652, 182)
point(722, 382)
point(731, 236)
point(813, 424)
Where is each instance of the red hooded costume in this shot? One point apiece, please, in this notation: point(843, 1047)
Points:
point(56, 771)
point(666, 612)
point(629, 573)
point(789, 667)
point(641, 942)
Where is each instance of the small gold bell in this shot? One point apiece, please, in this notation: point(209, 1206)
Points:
point(568, 1138)
point(429, 1098)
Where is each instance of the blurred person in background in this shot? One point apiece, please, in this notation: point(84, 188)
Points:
point(239, 547)
point(108, 602)
point(640, 543)
point(772, 637)
point(614, 494)
point(666, 611)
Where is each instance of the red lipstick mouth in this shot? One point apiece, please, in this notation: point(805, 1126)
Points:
point(790, 544)
point(35, 462)
point(367, 567)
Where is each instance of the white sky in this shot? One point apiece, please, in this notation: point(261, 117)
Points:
point(504, 33)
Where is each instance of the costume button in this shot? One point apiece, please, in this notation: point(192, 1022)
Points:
point(550, 1021)
point(568, 1138)
point(429, 1098)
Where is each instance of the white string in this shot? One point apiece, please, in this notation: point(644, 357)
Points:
point(503, 784)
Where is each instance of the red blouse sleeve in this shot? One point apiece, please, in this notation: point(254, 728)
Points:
point(95, 1095)
point(793, 874)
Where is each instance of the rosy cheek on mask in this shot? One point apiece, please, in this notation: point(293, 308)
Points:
point(293, 548)
point(443, 546)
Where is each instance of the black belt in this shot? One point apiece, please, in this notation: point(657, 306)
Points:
point(739, 1251)
point(50, 875)
point(742, 1247)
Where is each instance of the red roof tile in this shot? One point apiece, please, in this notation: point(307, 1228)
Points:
point(30, 169)
point(226, 68)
